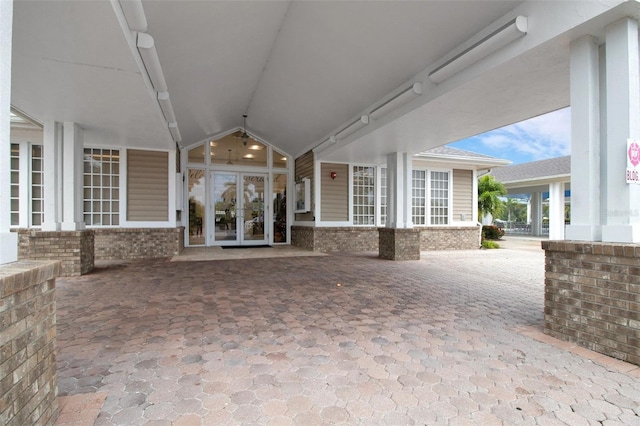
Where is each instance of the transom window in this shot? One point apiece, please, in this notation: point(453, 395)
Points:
point(101, 187)
point(364, 195)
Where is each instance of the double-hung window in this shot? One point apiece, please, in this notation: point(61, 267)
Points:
point(439, 198)
point(419, 197)
point(27, 177)
point(430, 197)
point(364, 195)
point(101, 187)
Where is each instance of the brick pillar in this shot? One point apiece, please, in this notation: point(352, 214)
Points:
point(592, 296)
point(28, 377)
point(74, 249)
point(399, 243)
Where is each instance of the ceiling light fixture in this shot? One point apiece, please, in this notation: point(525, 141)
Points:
point(134, 14)
point(325, 144)
point(166, 107)
point(175, 132)
point(499, 38)
point(229, 160)
point(398, 100)
point(149, 55)
point(352, 127)
point(245, 135)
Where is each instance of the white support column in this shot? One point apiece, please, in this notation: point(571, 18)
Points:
point(556, 211)
point(622, 200)
point(399, 174)
point(536, 213)
point(72, 178)
point(8, 239)
point(52, 152)
point(585, 142)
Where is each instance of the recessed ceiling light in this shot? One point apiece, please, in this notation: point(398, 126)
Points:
point(248, 156)
point(255, 147)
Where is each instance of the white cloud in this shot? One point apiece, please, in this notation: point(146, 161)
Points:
point(541, 137)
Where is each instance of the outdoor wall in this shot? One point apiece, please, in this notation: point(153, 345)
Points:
point(28, 375)
point(330, 239)
point(138, 243)
point(74, 249)
point(147, 185)
point(334, 193)
point(592, 296)
point(449, 238)
point(463, 195)
point(359, 238)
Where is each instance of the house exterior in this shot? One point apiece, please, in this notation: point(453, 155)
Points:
point(229, 193)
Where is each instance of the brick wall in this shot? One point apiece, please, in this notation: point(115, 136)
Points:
point(28, 377)
point(592, 296)
point(137, 243)
point(359, 239)
point(449, 238)
point(303, 237)
point(74, 249)
point(328, 239)
point(399, 244)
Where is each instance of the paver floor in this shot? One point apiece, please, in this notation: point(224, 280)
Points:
point(454, 338)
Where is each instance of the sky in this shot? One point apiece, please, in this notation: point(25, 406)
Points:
point(539, 138)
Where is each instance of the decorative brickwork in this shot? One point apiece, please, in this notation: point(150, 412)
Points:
point(359, 239)
point(592, 296)
point(449, 238)
point(399, 244)
point(73, 248)
point(28, 380)
point(138, 243)
point(330, 239)
point(303, 237)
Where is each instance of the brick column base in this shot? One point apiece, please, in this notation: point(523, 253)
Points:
point(399, 243)
point(28, 377)
point(73, 248)
point(592, 296)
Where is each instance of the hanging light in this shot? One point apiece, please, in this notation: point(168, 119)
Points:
point(229, 161)
point(244, 136)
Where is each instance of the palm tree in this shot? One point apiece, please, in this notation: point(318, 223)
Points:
point(489, 193)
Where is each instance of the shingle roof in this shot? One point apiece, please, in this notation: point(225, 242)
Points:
point(534, 170)
point(446, 150)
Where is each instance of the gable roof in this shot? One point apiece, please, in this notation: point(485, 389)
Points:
point(447, 154)
point(535, 170)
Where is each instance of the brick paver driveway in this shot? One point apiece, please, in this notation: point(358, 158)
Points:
point(341, 339)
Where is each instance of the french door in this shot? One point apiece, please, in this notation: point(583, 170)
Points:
point(238, 203)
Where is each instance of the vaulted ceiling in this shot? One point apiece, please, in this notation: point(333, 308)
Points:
point(299, 69)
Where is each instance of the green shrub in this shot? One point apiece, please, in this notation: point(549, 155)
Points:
point(488, 244)
point(492, 232)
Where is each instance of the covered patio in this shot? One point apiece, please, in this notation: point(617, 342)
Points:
point(336, 339)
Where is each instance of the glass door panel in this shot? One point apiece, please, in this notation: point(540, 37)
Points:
point(197, 211)
point(225, 206)
point(279, 208)
point(253, 208)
